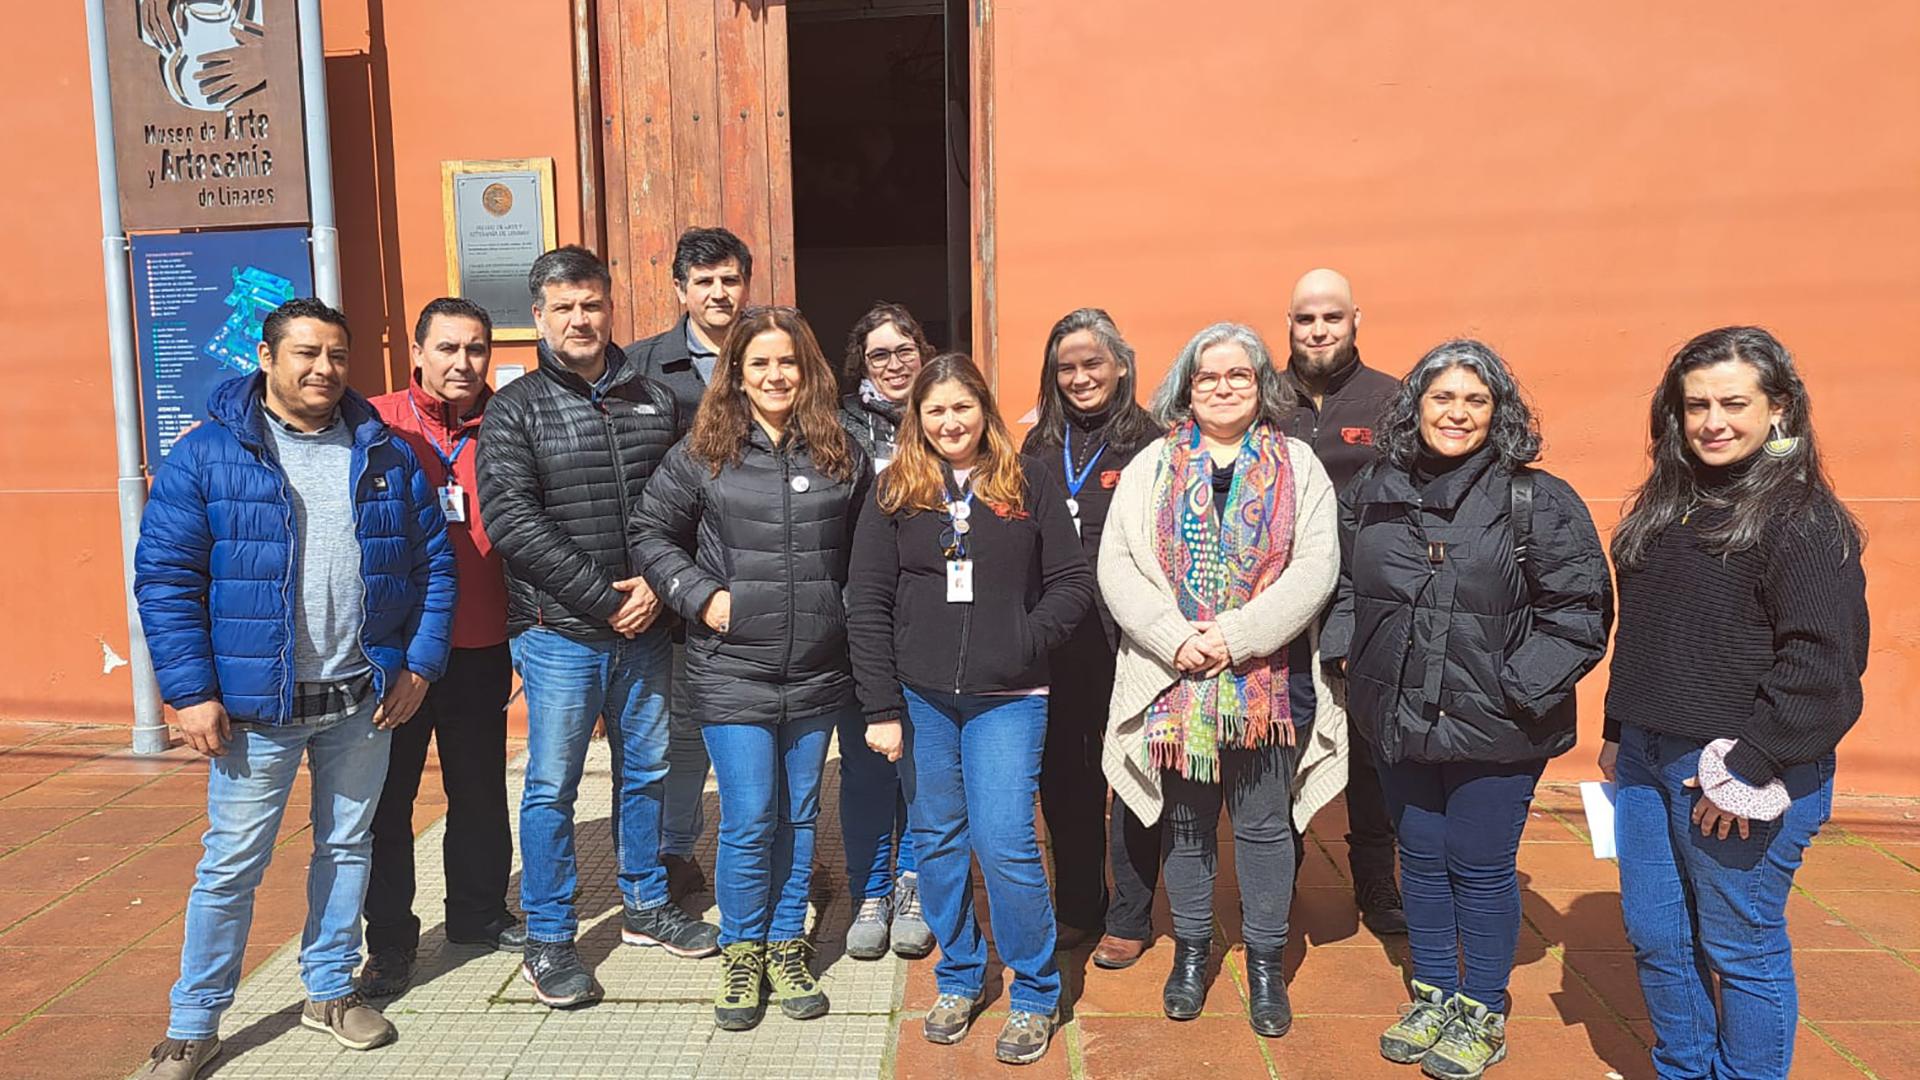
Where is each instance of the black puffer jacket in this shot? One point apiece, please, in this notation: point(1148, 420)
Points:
point(775, 533)
point(561, 468)
point(874, 427)
point(1454, 651)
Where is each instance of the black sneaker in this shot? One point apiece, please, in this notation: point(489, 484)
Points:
point(684, 876)
point(1379, 902)
point(671, 929)
point(559, 979)
point(387, 972)
point(507, 934)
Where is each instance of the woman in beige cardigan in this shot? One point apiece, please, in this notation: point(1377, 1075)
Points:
point(1220, 551)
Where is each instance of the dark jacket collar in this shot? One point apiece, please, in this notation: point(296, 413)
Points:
point(1392, 483)
point(1340, 377)
point(240, 406)
point(556, 369)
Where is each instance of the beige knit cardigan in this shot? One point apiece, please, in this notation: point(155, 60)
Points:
point(1143, 603)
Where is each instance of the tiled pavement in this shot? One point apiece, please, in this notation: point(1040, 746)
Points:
point(97, 850)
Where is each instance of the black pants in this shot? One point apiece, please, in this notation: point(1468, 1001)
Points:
point(1073, 786)
point(1369, 828)
point(1256, 790)
point(1136, 873)
point(466, 714)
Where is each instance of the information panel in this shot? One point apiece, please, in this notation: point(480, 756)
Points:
point(499, 218)
point(198, 301)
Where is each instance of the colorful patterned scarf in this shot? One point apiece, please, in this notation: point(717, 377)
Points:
point(1215, 565)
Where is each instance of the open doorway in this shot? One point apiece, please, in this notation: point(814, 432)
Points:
point(878, 92)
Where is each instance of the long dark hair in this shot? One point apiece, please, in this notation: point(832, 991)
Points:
point(720, 428)
point(915, 480)
point(1127, 423)
point(883, 313)
point(1513, 432)
point(1793, 487)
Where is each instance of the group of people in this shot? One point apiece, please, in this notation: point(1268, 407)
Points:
point(1279, 579)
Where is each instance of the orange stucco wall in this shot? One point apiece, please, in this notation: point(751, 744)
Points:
point(1584, 186)
point(409, 85)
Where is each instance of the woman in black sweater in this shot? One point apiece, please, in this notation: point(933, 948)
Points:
point(965, 574)
point(1089, 427)
point(1743, 637)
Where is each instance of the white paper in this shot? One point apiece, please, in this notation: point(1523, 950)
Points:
point(1597, 796)
point(506, 373)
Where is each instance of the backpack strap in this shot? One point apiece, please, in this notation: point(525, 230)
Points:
point(1520, 512)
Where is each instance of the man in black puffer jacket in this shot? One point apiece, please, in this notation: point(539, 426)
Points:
point(565, 454)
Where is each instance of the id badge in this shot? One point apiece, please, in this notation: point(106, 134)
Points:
point(453, 502)
point(959, 581)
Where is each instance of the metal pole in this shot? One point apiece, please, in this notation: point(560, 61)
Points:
point(149, 727)
point(313, 95)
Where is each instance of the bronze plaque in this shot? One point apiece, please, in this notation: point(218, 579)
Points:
point(207, 126)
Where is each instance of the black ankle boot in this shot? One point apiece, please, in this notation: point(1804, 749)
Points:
point(1267, 1005)
point(1186, 990)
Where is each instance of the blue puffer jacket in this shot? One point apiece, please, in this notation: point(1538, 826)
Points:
point(214, 572)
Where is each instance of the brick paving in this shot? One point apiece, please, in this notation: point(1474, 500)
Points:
point(97, 851)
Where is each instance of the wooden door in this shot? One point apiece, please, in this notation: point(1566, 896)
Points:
point(693, 131)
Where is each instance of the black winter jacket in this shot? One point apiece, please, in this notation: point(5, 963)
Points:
point(561, 469)
point(665, 359)
point(872, 426)
point(1454, 651)
point(1031, 586)
point(780, 550)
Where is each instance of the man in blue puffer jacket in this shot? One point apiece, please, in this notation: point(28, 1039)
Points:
point(296, 587)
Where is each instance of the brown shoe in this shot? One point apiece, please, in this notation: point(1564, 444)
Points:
point(352, 1022)
point(180, 1059)
point(1114, 953)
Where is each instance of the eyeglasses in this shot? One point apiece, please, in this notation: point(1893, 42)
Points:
point(881, 359)
point(1208, 381)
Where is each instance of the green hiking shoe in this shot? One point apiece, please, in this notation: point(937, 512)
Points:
point(1419, 1026)
point(743, 969)
point(794, 986)
point(1475, 1039)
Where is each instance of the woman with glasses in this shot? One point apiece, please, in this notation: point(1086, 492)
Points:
point(1089, 427)
point(1473, 595)
point(745, 531)
point(884, 351)
point(966, 573)
point(1220, 551)
point(1743, 638)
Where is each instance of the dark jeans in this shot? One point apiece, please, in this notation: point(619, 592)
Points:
point(1369, 826)
point(1698, 906)
point(1073, 786)
point(465, 714)
point(1459, 826)
point(1136, 873)
point(1256, 789)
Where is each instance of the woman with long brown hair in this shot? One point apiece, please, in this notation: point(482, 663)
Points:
point(966, 572)
point(745, 531)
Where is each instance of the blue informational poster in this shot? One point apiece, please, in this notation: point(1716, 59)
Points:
point(198, 301)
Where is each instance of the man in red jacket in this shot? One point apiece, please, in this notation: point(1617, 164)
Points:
point(465, 712)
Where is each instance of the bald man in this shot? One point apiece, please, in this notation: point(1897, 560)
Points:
point(1340, 401)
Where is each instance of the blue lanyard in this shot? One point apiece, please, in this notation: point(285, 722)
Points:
point(438, 450)
point(1076, 480)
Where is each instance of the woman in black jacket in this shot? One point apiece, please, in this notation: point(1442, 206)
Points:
point(1473, 595)
point(745, 531)
point(1089, 427)
point(966, 573)
point(884, 353)
point(1743, 638)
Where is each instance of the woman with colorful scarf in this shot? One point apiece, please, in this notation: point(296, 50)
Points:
point(1473, 596)
point(1220, 552)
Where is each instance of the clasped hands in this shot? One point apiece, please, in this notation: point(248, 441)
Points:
point(639, 609)
point(1205, 653)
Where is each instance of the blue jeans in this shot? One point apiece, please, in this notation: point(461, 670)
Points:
point(1698, 906)
point(684, 815)
point(769, 777)
point(247, 788)
point(971, 767)
point(873, 814)
point(570, 684)
point(1458, 826)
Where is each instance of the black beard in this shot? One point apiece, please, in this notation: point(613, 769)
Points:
point(1300, 361)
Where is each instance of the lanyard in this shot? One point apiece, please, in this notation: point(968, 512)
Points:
point(1076, 480)
point(440, 451)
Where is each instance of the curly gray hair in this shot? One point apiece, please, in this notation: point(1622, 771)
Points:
point(1173, 401)
point(1514, 433)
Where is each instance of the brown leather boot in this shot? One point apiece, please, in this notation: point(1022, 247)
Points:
point(1114, 953)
